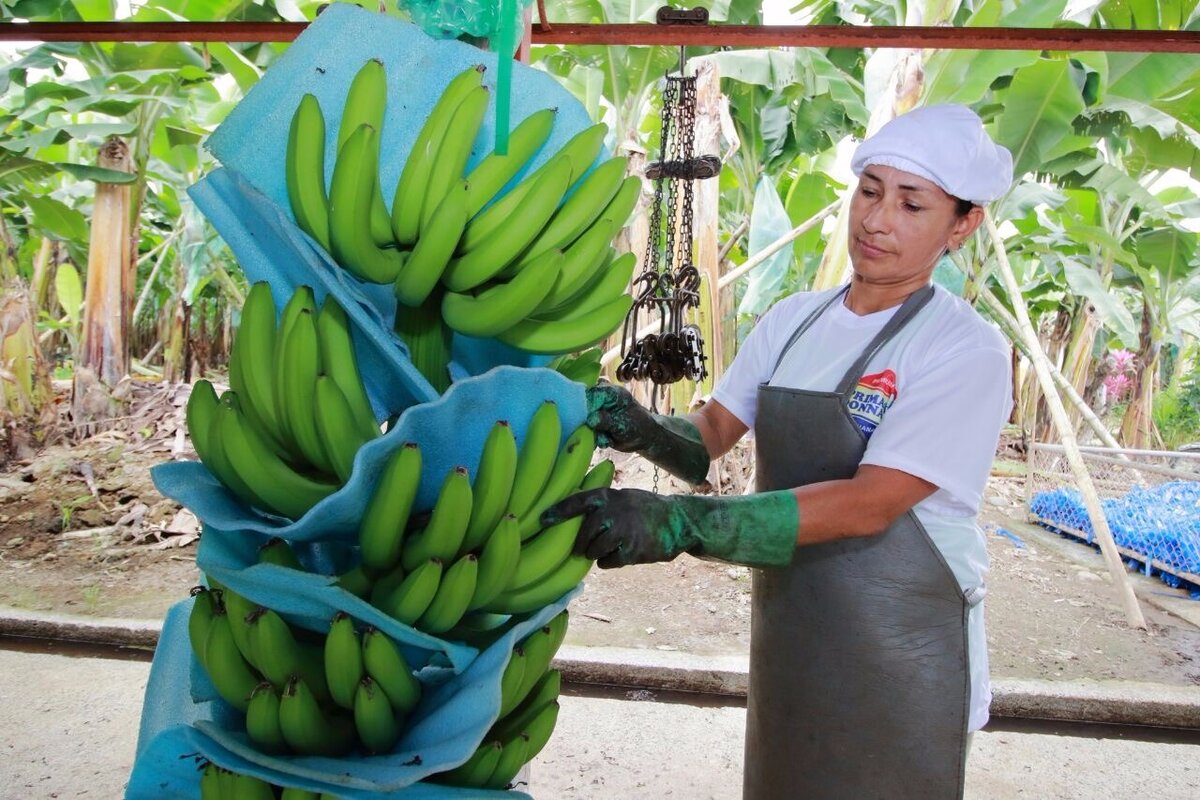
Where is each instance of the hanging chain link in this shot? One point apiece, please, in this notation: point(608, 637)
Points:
point(669, 283)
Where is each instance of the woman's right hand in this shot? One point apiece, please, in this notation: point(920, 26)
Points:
point(618, 420)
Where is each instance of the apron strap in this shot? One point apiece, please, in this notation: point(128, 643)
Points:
point(805, 325)
point(915, 302)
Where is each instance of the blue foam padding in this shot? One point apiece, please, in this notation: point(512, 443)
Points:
point(323, 61)
point(442, 732)
point(450, 431)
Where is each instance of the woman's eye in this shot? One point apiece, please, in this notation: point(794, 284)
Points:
point(913, 207)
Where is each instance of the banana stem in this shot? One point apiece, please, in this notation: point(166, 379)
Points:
point(428, 339)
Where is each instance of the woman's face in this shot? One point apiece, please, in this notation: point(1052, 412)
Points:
point(900, 224)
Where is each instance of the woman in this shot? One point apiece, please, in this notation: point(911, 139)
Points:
point(876, 410)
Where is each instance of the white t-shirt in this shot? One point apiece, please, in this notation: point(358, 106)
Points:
point(932, 402)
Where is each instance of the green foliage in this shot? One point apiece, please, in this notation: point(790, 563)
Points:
point(1177, 412)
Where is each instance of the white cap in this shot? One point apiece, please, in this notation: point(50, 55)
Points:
point(945, 144)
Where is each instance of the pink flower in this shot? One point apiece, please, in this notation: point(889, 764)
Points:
point(1120, 374)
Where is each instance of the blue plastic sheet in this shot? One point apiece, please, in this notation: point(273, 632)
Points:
point(443, 731)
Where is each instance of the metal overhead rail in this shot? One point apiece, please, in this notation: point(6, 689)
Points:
point(674, 34)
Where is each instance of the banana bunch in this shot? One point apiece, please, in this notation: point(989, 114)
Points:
point(532, 266)
point(529, 691)
point(480, 548)
point(217, 783)
point(284, 436)
point(300, 692)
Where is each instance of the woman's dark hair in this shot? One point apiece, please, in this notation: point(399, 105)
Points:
point(964, 206)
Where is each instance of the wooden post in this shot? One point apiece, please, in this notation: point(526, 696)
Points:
point(1066, 432)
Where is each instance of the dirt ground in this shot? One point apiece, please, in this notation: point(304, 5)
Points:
point(83, 531)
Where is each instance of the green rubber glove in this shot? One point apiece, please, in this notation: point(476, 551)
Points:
point(631, 526)
point(672, 443)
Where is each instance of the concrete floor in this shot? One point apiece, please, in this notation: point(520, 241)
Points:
point(68, 727)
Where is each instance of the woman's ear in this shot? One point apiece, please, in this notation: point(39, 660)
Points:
point(964, 226)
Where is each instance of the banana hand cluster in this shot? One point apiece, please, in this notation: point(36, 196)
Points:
point(301, 692)
point(218, 783)
point(532, 266)
point(285, 435)
point(529, 691)
point(480, 549)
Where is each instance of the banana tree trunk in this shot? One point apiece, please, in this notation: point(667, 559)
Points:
point(175, 324)
point(1083, 479)
point(103, 358)
point(1053, 341)
point(8, 253)
point(1137, 426)
point(25, 393)
point(1077, 359)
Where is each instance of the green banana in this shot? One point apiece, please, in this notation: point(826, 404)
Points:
point(502, 305)
point(583, 367)
point(412, 596)
point(356, 581)
point(536, 458)
point(222, 467)
point(249, 376)
point(414, 178)
point(204, 607)
point(210, 783)
point(339, 438)
point(295, 385)
point(545, 691)
point(494, 172)
point(570, 469)
point(340, 362)
point(374, 718)
point(539, 729)
point(475, 771)
point(512, 758)
point(381, 532)
point(537, 662)
point(228, 783)
point(443, 536)
point(280, 488)
point(558, 630)
point(343, 660)
point(585, 202)
point(500, 556)
point(482, 258)
point(237, 609)
point(366, 102)
point(279, 656)
point(580, 151)
point(563, 579)
point(566, 336)
point(278, 552)
point(385, 584)
point(248, 787)
point(231, 676)
point(296, 793)
point(351, 196)
point(304, 170)
point(202, 406)
point(600, 476)
point(262, 719)
point(432, 253)
point(453, 153)
point(607, 286)
point(307, 729)
point(387, 666)
point(427, 338)
point(543, 553)
point(492, 485)
point(510, 681)
point(453, 596)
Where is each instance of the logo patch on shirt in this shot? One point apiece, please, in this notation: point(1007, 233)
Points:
point(872, 398)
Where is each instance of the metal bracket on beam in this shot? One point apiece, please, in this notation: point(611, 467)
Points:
point(681, 16)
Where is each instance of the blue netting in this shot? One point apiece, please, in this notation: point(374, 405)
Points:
point(1159, 525)
point(449, 19)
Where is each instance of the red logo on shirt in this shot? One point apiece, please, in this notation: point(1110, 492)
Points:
point(872, 397)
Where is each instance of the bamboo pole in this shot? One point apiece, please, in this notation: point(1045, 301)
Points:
point(1091, 500)
point(1006, 319)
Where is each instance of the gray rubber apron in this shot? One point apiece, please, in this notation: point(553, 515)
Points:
point(859, 685)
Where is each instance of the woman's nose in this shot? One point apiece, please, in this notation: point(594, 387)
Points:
point(876, 219)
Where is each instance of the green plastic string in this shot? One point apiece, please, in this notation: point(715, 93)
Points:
point(506, 44)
